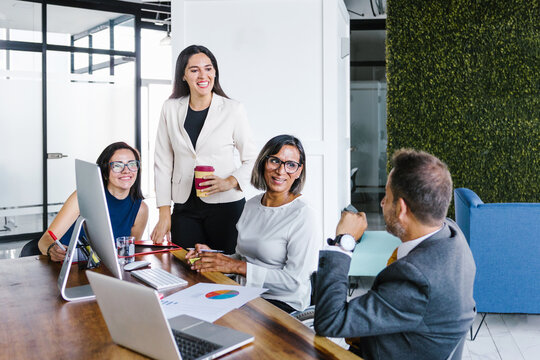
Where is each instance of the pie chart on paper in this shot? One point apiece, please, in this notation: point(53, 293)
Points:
point(221, 294)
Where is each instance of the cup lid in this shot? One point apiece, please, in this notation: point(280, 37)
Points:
point(204, 168)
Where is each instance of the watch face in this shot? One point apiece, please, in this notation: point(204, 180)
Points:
point(347, 242)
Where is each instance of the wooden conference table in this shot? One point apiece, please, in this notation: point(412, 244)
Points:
point(35, 322)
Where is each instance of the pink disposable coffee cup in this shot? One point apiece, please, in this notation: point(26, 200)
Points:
point(200, 171)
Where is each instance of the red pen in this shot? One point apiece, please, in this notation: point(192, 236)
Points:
point(56, 240)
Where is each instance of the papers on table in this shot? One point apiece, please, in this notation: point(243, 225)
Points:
point(208, 301)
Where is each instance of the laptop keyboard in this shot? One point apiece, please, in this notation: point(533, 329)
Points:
point(158, 278)
point(191, 347)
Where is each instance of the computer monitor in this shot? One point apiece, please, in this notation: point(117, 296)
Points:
point(94, 214)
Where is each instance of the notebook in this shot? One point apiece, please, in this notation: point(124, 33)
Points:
point(135, 320)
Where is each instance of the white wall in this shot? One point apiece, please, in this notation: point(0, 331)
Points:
point(283, 60)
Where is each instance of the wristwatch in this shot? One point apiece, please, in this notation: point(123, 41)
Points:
point(346, 241)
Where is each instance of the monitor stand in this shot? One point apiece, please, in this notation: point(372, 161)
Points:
point(76, 293)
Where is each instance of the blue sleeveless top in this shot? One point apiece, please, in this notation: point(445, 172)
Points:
point(122, 214)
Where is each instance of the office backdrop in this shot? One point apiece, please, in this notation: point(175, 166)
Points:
point(463, 84)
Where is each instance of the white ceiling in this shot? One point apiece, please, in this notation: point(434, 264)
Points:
point(27, 16)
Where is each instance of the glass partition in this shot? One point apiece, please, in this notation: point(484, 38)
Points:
point(368, 122)
point(124, 35)
point(85, 114)
point(90, 99)
point(90, 92)
point(90, 28)
point(82, 100)
point(21, 165)
point(20, 21)
point(156, 73)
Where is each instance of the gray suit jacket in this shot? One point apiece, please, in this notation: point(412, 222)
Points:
point(419, 307)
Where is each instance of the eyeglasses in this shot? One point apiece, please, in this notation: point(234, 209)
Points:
point(118, 166)
point(275, 163)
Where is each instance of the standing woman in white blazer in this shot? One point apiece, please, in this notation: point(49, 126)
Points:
point(200, 125)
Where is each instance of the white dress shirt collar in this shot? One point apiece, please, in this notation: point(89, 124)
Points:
point(407, 246)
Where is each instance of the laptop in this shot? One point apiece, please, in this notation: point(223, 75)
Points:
point(135, 320)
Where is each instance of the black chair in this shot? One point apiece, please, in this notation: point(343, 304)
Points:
point(30, 248)
point(307, 316)
point(353, 179)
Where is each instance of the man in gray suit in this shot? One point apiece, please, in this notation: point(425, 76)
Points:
point(419, 306)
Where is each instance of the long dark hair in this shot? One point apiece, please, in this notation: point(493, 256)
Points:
point(272, 147)
point(103, 163)
point(180, 87)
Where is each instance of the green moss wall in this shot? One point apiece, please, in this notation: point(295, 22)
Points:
point(463, 84)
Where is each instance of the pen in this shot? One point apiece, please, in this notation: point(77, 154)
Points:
point(56, 240)
point(60, 245)
point(208, 250)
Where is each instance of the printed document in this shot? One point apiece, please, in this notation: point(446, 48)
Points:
point(208, 301)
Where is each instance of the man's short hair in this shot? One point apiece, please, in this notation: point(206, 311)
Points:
point(423, 182)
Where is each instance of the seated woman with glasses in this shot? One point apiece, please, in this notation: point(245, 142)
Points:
point(119, 164)
point(278, 241)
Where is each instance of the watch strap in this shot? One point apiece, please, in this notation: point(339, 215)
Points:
point(49, 248)
point(337, 241)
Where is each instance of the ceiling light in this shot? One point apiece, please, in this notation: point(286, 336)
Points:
point(166, 40)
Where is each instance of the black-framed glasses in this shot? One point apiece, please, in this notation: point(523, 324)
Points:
point(275, 163)
point(118, 166)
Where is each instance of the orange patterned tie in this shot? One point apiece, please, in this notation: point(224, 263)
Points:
point(393, 257)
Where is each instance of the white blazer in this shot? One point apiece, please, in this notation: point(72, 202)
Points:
point(226, 127)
